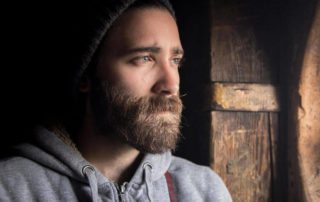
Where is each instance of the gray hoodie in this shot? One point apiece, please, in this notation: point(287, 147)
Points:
point(50, 170)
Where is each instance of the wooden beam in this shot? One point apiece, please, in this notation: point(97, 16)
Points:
point(244, 97)
point(240, 153)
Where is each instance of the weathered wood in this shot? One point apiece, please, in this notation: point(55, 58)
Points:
point(244, 97)
point(244, 144)
point(240, 154)
point(235, 56)
point(244, 49)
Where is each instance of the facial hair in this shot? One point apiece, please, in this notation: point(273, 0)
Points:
point(150, 124)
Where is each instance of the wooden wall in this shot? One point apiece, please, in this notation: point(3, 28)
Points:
point(244, 140)
point(238, 49)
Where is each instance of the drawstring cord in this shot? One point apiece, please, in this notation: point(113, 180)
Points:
point(147, 167)
point(89, 172)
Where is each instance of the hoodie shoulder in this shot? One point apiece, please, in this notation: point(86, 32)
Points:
point(21, 172)
point(22, 179)
point(197, 183)
point(13, 167)
point(16, 176)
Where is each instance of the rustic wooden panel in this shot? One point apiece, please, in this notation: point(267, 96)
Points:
point(235, 56)
point(244, 144)
point(240, 153)
point(244, 97)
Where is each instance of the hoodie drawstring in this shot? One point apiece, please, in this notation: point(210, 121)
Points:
point(170, 185)
point(89, 172)
point(147, 167)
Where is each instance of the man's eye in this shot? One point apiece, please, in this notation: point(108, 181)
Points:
point(145, 59)
point(141, 60)
point(177, 61)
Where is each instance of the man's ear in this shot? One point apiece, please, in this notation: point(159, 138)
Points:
point(85, 84)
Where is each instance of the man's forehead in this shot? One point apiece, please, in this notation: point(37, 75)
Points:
point(148, 30)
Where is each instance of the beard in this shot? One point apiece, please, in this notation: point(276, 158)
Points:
point(149, 124)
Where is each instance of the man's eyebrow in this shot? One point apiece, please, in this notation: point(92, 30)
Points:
point(151, 49)
point(178, 51)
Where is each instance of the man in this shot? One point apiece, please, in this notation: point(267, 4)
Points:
point(127, 120)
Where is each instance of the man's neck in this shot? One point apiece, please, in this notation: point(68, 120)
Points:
point(114, 159)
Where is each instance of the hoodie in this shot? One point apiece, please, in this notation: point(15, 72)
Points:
point(50, 170)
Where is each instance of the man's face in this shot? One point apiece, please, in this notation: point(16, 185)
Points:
point(136, 95)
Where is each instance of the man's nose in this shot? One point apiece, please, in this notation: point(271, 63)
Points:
point(168, 79)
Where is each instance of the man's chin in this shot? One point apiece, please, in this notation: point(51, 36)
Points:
point(156, 139)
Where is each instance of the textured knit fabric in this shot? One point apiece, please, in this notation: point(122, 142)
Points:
point(50, 170)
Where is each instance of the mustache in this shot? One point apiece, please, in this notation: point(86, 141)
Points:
point(149, 105)
point(161, 103)
point(121, 98)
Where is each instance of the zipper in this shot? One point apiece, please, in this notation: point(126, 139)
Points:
point(121, 191)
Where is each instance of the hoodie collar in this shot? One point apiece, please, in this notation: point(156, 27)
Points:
point(49, 150)
point(157, 163)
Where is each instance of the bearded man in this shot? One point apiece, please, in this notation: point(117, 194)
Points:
point(116, 142)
